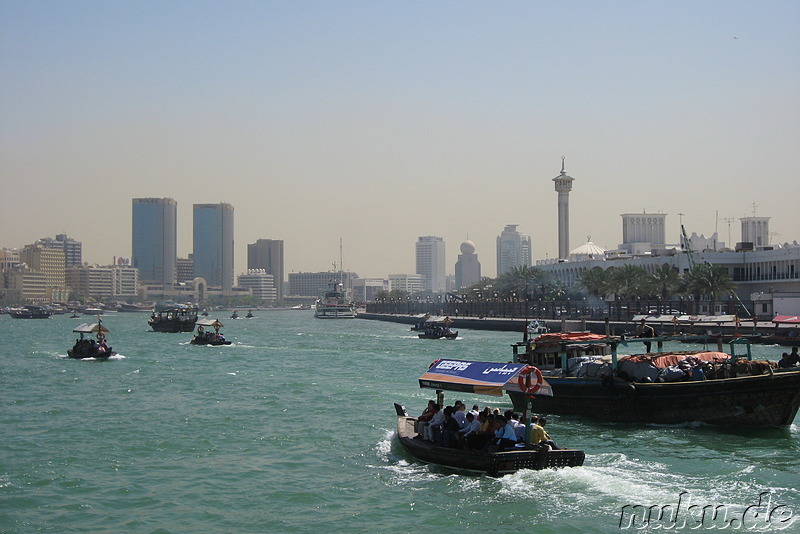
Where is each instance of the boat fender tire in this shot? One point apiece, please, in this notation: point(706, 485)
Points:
point(608, 381)
point(200, 330)
point(523, 379)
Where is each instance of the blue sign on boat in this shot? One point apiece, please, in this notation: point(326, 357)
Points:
point(486, 378)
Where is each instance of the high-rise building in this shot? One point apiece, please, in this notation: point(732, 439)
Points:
point(513, 249)
point(184, 267)
point(49, 261)
point(468, 268)
point(314, 284)
point(73, 250)
point(267, 254)
point(430, 262)
point(563, 184)
point(213, 244)
point(155, 240)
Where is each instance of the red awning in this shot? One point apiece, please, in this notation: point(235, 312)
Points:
point(786, 319)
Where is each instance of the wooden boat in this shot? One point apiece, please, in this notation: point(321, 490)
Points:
point(173, 318)
point(30, 312)
point(249, 314)
point(481, 378)
point(235, 314)
point(589, 380)
point(205, 336)
point(85, 347)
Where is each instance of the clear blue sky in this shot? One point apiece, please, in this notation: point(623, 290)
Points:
point(378, 122)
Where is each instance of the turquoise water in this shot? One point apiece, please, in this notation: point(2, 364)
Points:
point(290, 429)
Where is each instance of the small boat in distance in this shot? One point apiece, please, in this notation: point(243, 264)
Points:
point(30, 312)
point(235, 314)
point(478, 378)
point(249, 314)
point(333, 304)
point(173, 318)
point(205, 336)
point(86, 347)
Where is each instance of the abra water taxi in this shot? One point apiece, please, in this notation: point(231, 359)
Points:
point(205, 335)
point(589, 379)
point(437, 328)
point(86, 347)
point(483, 378)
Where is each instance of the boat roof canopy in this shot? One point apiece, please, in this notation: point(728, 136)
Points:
point(214, 323)
point(484, 378)
point(438, 319)
point(90, 328)
point(786, 319)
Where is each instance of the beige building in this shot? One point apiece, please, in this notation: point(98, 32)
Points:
point(96, 282)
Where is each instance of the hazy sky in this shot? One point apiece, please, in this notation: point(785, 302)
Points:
point(378, 122)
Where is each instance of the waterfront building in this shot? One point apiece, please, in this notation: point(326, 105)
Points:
point(430, 260)
point(563, 185)
point(184, 268)
point(97, 282)
point(267, 254)
point(468, 268)
point(364, 289)
point(307, 284)
point(213, 244)
point(49, 261)
point(513, 250)
point(24, 285)
point(410, 283)
point(9, 258)
point(260, 283)
point(643, 233)
point(155, 241)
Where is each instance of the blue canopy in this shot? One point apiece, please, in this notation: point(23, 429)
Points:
point(485, 378)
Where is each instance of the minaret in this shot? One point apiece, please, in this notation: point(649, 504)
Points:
point(563, 187)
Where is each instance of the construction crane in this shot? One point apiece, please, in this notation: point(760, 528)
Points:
point(687, 246)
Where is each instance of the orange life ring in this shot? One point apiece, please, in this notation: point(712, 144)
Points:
point(101, 337)
point(524, 381)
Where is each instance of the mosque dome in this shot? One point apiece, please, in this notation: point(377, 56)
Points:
point(587, 251)
point(468, 247)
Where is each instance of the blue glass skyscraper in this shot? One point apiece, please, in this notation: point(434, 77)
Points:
point(213, 244)
point(155, 230)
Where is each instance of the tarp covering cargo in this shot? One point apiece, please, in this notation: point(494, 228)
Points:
point(665, 359)
point(786, 319)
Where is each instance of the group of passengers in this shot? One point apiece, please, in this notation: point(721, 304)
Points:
point(486, 429)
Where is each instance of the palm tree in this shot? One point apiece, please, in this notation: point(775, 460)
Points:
point(708, 280)
point(630, 282)
point(597, 281)
point(666, 279)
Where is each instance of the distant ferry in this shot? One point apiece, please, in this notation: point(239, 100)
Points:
point(333, 304)
point(30, 312)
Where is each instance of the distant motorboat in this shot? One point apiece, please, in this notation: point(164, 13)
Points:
point(333, 304)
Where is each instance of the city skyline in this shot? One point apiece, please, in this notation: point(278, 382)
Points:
point(288, 113)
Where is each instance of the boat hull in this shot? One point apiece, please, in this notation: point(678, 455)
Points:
point(764, 400)
point(214, 343)
point(172, 325)
point(491, 463)
point(84, 356)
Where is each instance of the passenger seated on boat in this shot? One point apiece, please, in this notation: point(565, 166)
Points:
point(472, 426)
point(484, 434)
point(789, 360)
point(450, 428)
point(425, 416)
point(434, 425)
point(505, 437)
point(548, 440)
point(513, 422)
point(460, 414)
